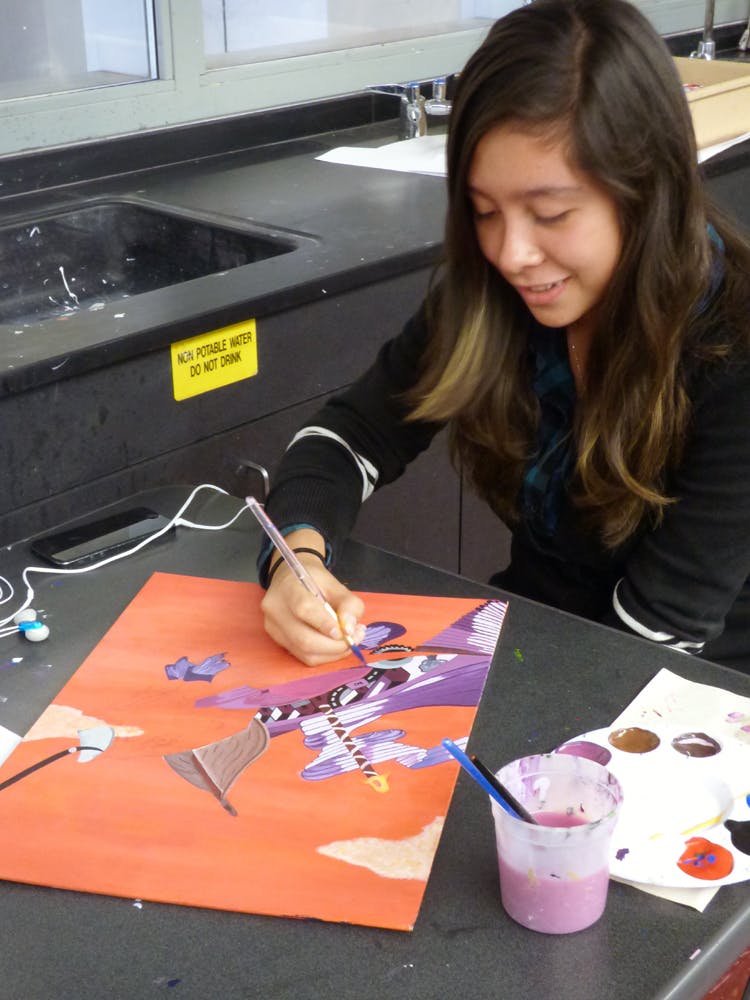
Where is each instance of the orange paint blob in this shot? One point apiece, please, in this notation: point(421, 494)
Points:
point(705, 860)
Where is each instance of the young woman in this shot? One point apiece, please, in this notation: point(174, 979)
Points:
point(587, 341)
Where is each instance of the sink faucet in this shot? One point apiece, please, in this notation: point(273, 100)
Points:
point(413, 106)
point(413, 121)
point(707, 46)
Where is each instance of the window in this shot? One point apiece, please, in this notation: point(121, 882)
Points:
point(244, 31)
point(57, 46)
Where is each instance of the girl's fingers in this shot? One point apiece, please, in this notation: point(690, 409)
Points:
point(300, 623)
point(307, 644)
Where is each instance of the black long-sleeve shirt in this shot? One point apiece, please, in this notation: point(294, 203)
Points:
point(684, 583)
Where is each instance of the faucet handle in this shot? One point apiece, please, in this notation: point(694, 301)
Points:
point(438, 104)
point(706, 50)
point(413, 118)
point(707, 46)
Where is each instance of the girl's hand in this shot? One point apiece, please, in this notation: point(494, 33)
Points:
point(298, 621)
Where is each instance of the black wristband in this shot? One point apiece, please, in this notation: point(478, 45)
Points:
point(272, 570)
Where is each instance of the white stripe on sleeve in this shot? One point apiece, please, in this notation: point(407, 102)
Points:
point(664, 638)
point(366, 469)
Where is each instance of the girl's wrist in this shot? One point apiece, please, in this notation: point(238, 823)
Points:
point(277, 559)
point(307, 539)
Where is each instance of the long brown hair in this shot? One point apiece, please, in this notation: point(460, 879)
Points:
point(595, 74)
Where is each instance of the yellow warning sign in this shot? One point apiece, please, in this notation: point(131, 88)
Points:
point(200, 364)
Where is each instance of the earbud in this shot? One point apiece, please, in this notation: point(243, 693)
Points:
point(26, 623)
point(27, 615)
point(34, 631)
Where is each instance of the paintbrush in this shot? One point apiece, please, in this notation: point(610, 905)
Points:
point(305, 578)
point(522, 811)
point(487, 780)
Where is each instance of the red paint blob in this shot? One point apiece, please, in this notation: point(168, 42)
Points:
point(705, 860)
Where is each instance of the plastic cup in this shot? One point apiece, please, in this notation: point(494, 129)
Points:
point(554, 876)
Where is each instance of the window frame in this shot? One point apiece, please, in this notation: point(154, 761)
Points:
point(186, 92)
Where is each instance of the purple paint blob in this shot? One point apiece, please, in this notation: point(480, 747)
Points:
point(378, 633)
point(584, 748)
point(185, 670)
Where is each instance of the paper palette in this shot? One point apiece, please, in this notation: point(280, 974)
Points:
point(685, 819)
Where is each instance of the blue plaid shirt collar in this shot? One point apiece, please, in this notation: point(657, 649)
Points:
point(549, 469)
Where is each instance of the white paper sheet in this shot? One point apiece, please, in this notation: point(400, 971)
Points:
point(422, 155)
point(426, 154)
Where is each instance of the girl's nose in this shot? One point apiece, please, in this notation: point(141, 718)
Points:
point(517, 249)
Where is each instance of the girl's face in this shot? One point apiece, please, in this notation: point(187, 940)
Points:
point(550, 231)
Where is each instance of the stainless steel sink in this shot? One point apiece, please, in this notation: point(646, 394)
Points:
point(83, 258)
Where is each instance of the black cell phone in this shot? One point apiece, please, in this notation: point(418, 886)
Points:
point(90, 542)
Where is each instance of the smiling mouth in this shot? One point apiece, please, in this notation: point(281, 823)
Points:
point(545, 288)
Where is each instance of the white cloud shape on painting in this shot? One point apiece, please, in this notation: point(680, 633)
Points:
point(58, 721)
point(409, 858)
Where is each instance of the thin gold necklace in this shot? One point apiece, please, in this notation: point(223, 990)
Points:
point(576, 358)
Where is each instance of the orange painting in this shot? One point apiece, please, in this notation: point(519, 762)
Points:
point(190, 760)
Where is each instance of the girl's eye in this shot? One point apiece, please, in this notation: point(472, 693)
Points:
point(550, 220)
point(486, 214)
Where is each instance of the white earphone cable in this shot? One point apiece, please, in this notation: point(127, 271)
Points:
point(176, 521)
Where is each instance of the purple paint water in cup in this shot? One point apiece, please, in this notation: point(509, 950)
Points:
point(554, 875)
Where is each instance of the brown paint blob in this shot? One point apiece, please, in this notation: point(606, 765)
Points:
point(696, 745)
point(634, 740)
